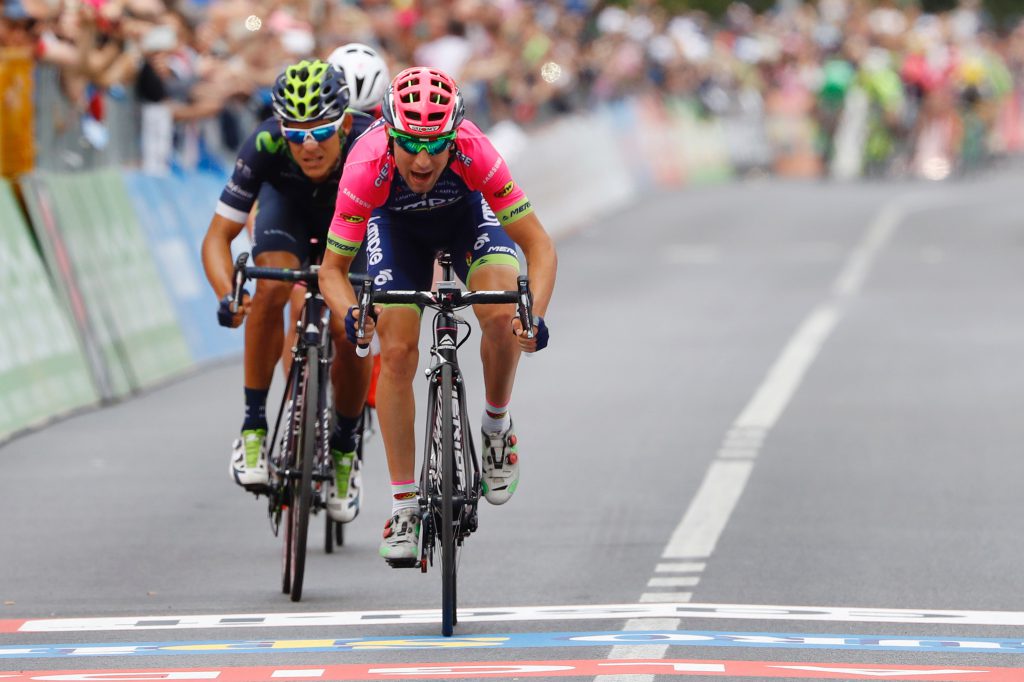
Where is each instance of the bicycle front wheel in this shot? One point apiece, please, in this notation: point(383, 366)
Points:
point(302, 497)
point(448, 538)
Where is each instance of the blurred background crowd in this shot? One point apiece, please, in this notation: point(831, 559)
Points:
point(834, 87)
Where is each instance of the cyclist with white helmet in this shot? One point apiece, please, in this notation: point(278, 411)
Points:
point(293, 162)
point(365, 72)
point(423, 178)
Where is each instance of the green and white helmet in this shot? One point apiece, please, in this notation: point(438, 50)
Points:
point(309, 91)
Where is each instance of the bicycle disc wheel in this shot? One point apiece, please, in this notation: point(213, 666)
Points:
point(302, 496)
point(448, 558)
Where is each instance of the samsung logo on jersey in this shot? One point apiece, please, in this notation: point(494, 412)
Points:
point(347, 192)
point(494, 169)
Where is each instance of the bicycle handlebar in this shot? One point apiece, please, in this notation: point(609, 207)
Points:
point(310, 275)
point(449, 297)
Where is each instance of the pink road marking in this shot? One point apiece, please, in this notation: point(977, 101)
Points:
point(8, 626)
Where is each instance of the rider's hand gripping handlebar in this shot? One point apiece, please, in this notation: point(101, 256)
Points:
point(239, 278)
point(365, 305)
point(525, 306)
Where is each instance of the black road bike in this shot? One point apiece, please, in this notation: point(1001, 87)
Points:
point(450, 473)
point(302, 465)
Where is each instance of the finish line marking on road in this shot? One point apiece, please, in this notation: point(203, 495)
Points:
point(521, 613)
point(537, 669)
point(638, 639)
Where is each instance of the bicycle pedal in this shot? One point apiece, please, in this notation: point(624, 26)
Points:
point(403, 563)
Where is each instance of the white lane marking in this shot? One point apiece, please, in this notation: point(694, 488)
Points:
point(627, 651)
point(704, 520)
point(292, 674)
point(683, 567)
point(665, 597)
point(785, 375)
point(875, 672)
point(673, 610)
point(851, 279)
point(697, 533)
point(681, 581)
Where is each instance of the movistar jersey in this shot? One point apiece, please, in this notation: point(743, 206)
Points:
point(265, 158)
point(370, 182)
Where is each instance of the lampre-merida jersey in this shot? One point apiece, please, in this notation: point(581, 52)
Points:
point(370, 182)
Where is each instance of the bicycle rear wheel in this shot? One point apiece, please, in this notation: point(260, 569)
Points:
point(302, 485)
point(448, 538)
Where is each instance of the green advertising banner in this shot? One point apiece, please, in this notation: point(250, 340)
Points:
point(43, 371)
point(93, 243)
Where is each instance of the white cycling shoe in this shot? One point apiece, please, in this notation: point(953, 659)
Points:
point(344, 492)
point(501, 465)
point(249, 459)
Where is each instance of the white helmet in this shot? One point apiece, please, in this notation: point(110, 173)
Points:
point(365, 72)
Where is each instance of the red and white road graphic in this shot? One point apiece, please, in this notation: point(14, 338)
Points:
point(500, 669)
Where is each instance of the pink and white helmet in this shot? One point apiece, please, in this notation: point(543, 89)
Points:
point(424, 102)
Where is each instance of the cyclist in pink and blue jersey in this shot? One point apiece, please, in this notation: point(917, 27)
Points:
point(422, 179)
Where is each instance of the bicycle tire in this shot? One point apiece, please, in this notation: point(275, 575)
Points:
point(286, 559)
point(288, 486)
point(448, 559)
point(302, 496)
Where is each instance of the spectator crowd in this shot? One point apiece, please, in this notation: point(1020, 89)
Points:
point(909, 91)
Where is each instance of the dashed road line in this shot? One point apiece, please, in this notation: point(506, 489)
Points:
point(640, 612)
point(695, 537)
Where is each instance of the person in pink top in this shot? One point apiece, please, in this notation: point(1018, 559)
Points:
point(424, 178)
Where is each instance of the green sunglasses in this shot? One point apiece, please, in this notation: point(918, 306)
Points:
point(414, 145)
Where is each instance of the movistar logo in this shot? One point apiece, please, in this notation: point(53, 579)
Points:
point(266, 142)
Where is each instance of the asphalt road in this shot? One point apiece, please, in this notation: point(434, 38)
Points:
point(795, 394)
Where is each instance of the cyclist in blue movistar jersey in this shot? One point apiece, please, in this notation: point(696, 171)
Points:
point(367, 76)
point(293, 162)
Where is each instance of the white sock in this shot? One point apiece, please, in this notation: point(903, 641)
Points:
point(495, 419)
point(404, 495)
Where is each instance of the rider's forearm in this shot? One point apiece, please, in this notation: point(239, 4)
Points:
point(217, 254)
point(542, 261)
point(334, 285)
